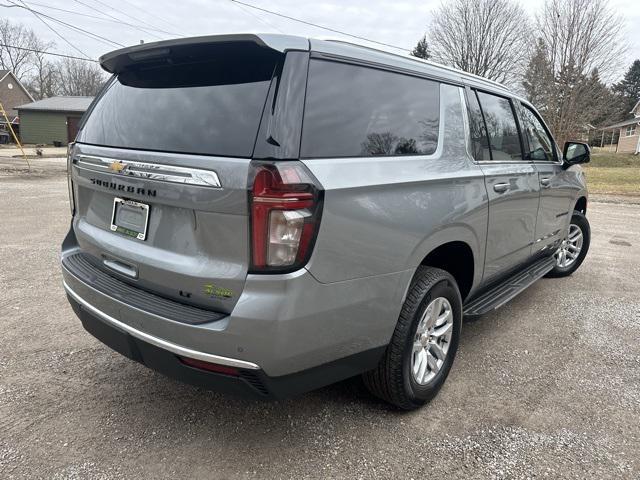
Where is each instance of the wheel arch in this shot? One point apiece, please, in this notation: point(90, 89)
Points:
point(457, 251)
point(581, 204)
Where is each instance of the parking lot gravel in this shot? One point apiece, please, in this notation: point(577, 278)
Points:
point(548, 386)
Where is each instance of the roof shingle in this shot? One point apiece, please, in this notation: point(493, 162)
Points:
point(631, 121)
point(59, 104)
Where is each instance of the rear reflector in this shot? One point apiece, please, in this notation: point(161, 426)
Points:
point(210, 367)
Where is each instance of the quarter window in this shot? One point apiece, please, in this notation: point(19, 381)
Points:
point(479, 140)
point(540, 142)
point(501, 126)
point(353, 111)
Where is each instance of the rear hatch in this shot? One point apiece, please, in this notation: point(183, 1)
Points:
point(160, 168)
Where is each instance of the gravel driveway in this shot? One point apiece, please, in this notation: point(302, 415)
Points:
point(547, 386)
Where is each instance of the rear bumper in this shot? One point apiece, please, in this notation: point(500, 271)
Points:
point(281, 327)
point(87, 309)
point(250, 381)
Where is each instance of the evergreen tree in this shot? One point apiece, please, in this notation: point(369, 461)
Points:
point(628, 90)
point(600, 105)
point(422, 49)
point(538, 78)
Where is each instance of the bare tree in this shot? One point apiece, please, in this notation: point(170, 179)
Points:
point(43, 82)
point(78, 77)
point(583, 34)
point(584, 44)
point(19, 59)
point(483, 37)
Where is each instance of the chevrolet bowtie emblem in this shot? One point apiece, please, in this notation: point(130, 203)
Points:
point(117, 167)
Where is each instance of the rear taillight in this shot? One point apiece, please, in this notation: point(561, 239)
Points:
point(72, 203)
point(286, 203)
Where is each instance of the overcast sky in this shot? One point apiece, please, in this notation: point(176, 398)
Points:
point(401, 23)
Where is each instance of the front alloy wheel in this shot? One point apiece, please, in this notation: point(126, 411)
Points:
point(570, 248)
point(574, 248)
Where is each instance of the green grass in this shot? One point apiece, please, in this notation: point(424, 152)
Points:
point(614, 160)
point(614, 173)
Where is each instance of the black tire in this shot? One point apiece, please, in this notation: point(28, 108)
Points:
point(580, 220)
point(392, 380)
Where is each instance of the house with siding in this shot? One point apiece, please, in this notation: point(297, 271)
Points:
point(629, 132)
point(12, 94)
point(52, 120)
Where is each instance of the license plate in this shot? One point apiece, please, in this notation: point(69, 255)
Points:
point(130, 218)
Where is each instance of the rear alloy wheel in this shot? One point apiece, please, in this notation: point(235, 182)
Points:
point(424, 343)
point(432, 340)
point(574, 248)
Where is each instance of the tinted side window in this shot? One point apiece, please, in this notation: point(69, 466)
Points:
point(501, 127)
point(479, 141)
point(358, 111)
point(540, 143)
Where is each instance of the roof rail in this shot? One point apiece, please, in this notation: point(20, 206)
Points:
point(419, 60)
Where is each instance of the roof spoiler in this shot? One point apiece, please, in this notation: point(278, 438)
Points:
point(119, 60)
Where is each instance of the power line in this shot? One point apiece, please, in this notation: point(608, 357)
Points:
point(95, 36)
point(47, 53)
point(115, 18)
point(54, 30)
point(248, 12)
point(319, 26)
point(134, 18)
point(166, 22)
point(88, 15)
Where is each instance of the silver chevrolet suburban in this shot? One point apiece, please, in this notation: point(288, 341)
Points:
point(268, 214)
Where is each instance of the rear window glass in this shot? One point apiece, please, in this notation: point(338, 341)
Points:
point(211, 107)
point(356, 111)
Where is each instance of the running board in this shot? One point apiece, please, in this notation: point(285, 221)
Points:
point(509, 288)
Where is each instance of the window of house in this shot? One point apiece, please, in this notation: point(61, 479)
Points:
point(540, 142)
point(353, 111)
point(502, 129)
point(630, 131)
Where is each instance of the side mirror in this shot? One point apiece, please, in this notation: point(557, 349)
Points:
point(575, 153)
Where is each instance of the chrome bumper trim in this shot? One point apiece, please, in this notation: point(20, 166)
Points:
point(158, 342)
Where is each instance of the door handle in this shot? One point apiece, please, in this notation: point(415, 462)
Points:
point(501, 187)
point(545, 182)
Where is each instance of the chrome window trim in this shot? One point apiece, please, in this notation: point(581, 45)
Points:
point(150, 171)
point(159, 342)
point(495, 162)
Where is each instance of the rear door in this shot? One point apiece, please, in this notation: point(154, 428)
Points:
point(160, 172)
point(511, 182)
point(556, 187)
